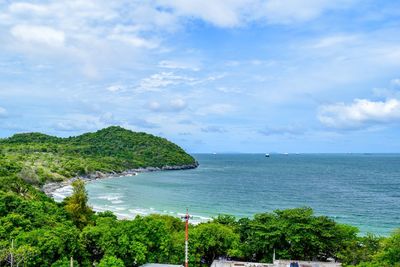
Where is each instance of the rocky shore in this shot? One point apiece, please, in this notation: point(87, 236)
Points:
point(49, 188)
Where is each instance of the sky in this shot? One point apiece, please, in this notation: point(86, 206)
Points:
point(312, 76)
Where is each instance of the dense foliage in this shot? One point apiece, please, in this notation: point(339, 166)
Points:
point(38, 158)
point(46, 233)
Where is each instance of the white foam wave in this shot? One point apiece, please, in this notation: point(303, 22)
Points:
point(111, 197)
point(122, 212)
point(99, 208)
point(139, 211)
point(133, 212)
point(60, 193)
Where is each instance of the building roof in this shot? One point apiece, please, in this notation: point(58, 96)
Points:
point(227, 263)
point(160, 265)
point(284, 263)
point(276, 263)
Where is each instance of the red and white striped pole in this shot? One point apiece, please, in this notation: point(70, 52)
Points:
point(186, 217)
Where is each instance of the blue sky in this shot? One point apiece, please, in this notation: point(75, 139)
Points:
point(223, 76)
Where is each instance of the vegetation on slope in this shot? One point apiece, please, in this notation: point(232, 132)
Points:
point(38, 158)
point(45, 233)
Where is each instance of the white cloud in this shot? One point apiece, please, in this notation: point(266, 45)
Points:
point(79, 122)
point(154, 105)
point(213, 129)
point(232, 63)
point(334, 40)
point(115, 88)
point(160, 80)
point(395, 82)
point(215, 109)
point(169, 14)
point(64, 10)
point(134, 41)
point(388, 93)
point(38, 35)
point(81, 29)
point(142, 123)
point(174, 105)
point(171, 64)
point(223, 13)
point(229, 90)
point(232, 13)
point(109, 118)
point(28, 8)
point(360, 113)
point(125, 30)
point(3, 112)
point(385, 93)
point(291, 11)
point(178, 103)
point(281, 130)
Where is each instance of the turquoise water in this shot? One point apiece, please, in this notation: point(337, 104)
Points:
point(362, 190)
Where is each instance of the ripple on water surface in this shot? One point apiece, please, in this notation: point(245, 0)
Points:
point(363, 190)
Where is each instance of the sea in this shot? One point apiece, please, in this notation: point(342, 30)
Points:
point(362, 190)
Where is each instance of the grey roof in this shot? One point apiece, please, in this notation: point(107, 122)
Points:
point(276, 263)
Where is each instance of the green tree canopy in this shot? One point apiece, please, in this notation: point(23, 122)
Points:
point(38, 158)
point(293, 233)
point(212, 240)
point(77, 205)
point(111, 261)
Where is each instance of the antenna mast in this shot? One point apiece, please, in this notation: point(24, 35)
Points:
point(186, 218)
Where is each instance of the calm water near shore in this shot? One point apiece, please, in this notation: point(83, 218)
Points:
point(359, 189)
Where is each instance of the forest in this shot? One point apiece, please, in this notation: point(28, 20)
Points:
point(38, 158)
point(37, 231)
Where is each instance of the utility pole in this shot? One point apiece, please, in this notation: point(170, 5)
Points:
point(186, 218)
point(273, 257)
point(16, 257)
point(11, 253)
point(71, 264)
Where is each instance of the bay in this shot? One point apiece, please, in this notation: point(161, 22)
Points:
point(359, 189)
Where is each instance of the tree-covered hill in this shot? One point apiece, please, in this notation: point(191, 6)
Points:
point(38, 158)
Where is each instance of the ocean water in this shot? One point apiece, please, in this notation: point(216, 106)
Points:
point(359, 189)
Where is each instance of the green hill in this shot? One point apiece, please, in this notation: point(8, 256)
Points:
point(38, 158)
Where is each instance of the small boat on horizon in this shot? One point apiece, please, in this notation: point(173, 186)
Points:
point(267, 155)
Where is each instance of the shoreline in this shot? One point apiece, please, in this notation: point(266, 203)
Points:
point(50, 188)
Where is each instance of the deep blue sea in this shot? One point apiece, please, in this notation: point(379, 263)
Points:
point(359, 189)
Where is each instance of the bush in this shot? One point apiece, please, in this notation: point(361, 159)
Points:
point(111, 261)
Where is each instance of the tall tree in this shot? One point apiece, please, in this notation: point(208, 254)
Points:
point(212, 240)
point(76, 205)
point(111, 261)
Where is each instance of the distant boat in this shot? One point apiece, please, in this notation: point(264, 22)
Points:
point(285, 154)
point(214, 153)
point(267, 155)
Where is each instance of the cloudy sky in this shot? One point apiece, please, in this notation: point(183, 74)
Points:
point(223, 75)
